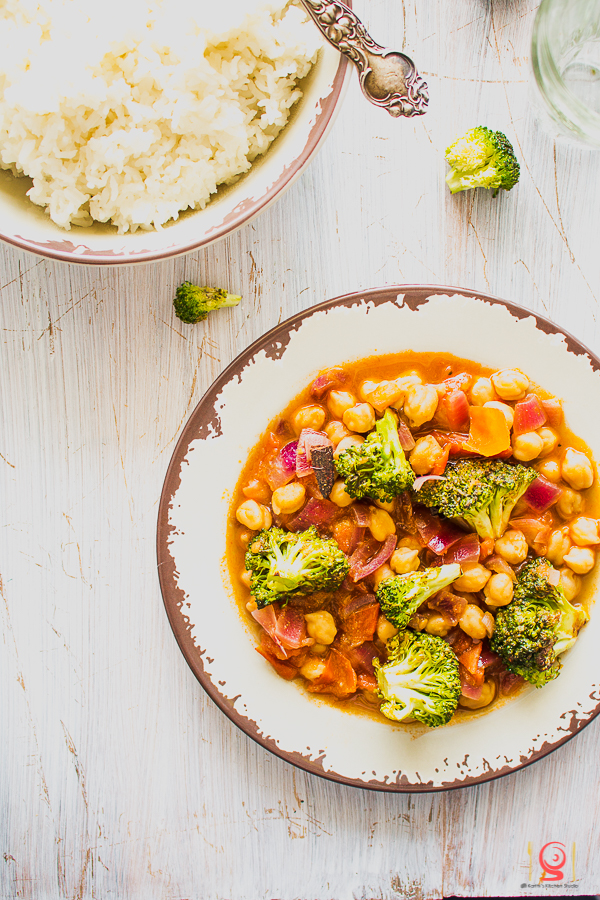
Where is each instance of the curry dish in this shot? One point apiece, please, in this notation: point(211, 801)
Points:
point(412, 536)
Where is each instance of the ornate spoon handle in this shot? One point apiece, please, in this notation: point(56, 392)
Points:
point(387, 78)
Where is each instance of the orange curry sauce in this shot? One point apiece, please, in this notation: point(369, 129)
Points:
point(360, 638)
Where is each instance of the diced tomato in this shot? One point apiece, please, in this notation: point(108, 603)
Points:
point(346, 532)
point(487, 548)
point(366, 683)
point(474, 680)
point(440, 466)
point(360, 626)
point(338, 677)
point(285, 669)
point(470, 658)
point(453, 411)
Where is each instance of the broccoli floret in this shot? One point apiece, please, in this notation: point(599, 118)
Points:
point(420, 680)
point(285, 564)
point(193, 304)
point(378, 467)
point(483, 492)
point(401, 596)
point(482, 158)
point(537, 626)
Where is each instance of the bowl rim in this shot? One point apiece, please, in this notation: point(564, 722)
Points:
point(66, 250)
point(198, 425)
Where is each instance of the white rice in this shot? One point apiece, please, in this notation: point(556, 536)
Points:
point(130, 111)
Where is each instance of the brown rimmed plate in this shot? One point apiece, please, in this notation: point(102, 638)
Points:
point(217, 642)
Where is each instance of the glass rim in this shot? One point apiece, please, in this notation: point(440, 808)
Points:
point(574, 114)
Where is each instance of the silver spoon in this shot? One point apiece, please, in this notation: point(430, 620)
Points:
point(387, 78)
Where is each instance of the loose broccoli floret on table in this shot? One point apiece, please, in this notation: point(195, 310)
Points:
point(193, 304)
point(401, 596)
point(420, 680)
point(537, 626)
point(483, 492)
point(378, 468)
point(285, 564)
point(482, 158)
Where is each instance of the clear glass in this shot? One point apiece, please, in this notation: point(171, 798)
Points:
point(565, 55)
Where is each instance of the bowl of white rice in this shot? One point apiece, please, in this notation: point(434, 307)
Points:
point(139, 130)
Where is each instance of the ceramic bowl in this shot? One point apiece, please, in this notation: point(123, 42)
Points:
point(198, 595)
point(28, 226)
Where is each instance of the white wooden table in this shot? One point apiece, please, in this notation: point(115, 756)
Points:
point(119, 777)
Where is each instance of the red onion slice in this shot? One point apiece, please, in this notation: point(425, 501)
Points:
point(288, 456)
point(316, 512)
point(467, 549)
point(541, 494)
point(361, 514)
point(529, 415)
point(360, 569)
point(327, 380)
point(420, 481)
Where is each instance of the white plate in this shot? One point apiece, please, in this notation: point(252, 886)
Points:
point(199, 598)
point(29, 227)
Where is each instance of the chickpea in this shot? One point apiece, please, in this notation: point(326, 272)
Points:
point(312, 668)
point(245, 578)
point(366, 389)
point(499, 590)
point(569, 504)
point(360, 417)
point(482, 392)
point(512, 547)
point(321, 626)
point(410, 541)
point(584, 531)
point(474, 577)
point(257, 490)
point(506, 410)
point(385, 629)
point(338, 494)
point(549, 440)
point(385, 394)
point(527, 446)
point(388, 505)
point(577, 470)
point(472, 622)
point(420, 404)
point(381, 574)
point(425, 455)
point(550, 469)
point(558, 545)
point(381, 524)
point(253, 515)
point(354, 440)
point(251, 606)
point(336, 431)
point(570, 583)
point(319, 649)
point(404, 560)
point(289, 498)
point(510, 384)
point(580, 560)
point(244, 535)
point(339, 401)
point(438, 625)
point(488, 692)
point(308, 417)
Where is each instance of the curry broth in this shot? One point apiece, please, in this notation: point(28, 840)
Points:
point(433, 368)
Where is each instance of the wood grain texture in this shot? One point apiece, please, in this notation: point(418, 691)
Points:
point(119, 778)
